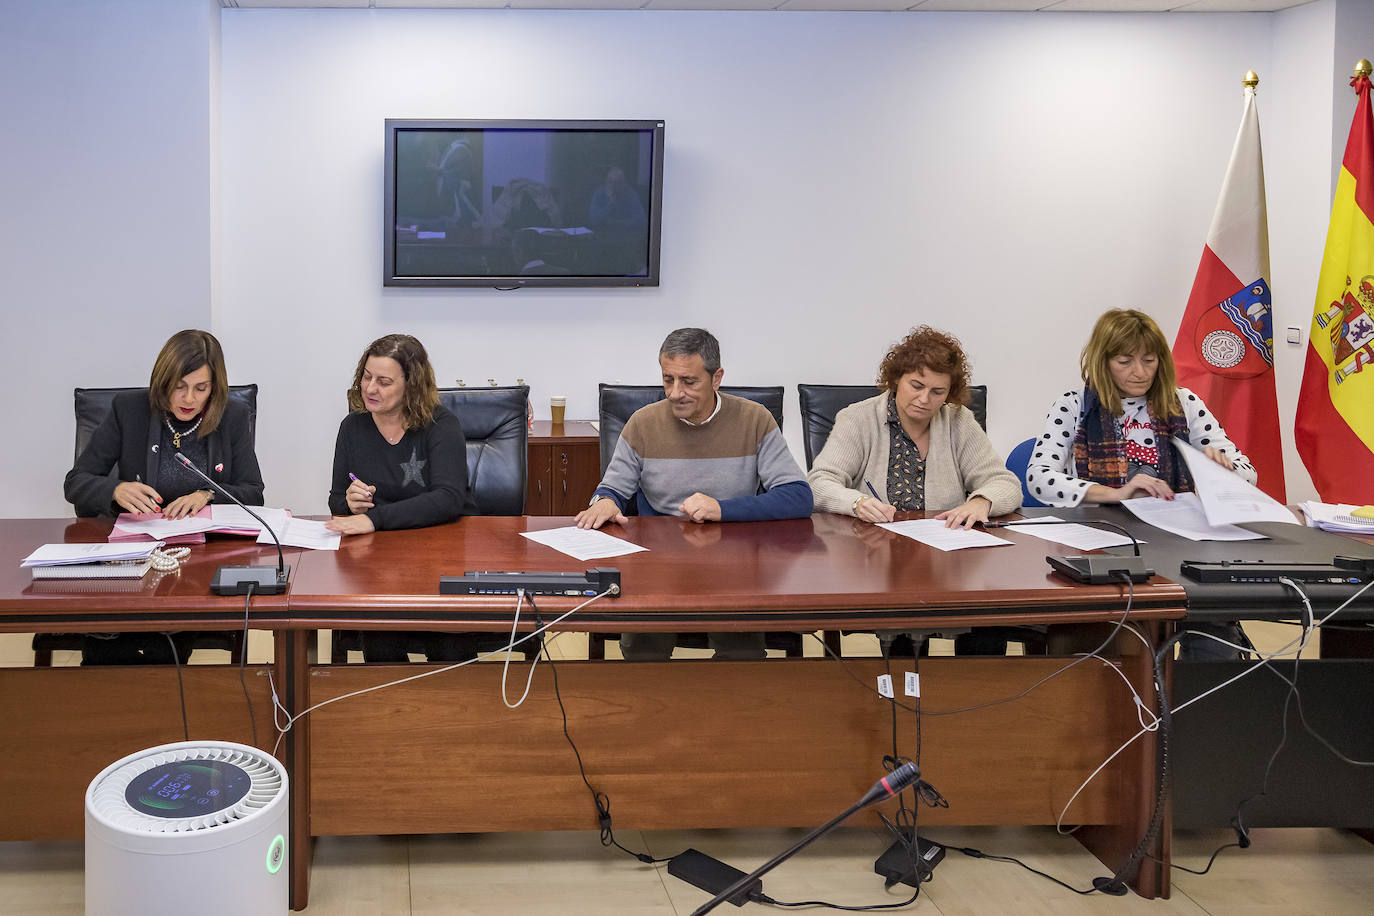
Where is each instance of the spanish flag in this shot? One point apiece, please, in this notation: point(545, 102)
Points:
point(1224, 350)
point(1335, 423)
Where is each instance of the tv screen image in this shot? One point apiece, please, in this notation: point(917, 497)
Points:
point(509, 204)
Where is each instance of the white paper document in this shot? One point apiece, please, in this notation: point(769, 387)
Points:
point(582, 543)
point(235, 518)
point(1226, 498)
point(1070, 534)
point(1184, 517)
point(66, 554)
point(156, 527)
point(303, 532)
point(932, 531)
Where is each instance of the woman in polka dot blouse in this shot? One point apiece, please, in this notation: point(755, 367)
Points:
point(1109, 441)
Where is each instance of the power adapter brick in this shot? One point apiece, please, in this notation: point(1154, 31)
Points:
point(711, 875)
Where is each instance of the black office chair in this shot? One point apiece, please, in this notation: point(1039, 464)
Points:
point(495, 426)
point(616, 404)
point(92, 406)
point(820, 404)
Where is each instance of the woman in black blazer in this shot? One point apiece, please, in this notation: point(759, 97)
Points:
point(186, 410)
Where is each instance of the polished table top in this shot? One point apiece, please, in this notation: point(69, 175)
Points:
point(157, 599)
point(822, 570)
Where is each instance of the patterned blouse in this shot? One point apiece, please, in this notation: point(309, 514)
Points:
point(906, 469)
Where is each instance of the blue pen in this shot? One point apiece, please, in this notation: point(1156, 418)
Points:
point(873, 491)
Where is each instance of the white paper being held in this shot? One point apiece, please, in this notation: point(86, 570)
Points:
point(1228, 499)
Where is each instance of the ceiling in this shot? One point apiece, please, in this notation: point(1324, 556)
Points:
point(919, 6)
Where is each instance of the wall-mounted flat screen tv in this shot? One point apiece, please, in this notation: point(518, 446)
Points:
point(509, 204)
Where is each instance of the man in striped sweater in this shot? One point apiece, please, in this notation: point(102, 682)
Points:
point(702, 455)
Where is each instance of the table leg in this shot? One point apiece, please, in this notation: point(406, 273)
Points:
point(1113, 843)
point(293, 656)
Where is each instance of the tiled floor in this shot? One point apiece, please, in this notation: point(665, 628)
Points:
point(1292, 871)
point(1288, 872)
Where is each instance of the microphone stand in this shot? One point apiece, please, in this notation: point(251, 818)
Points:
point(896, 782)
point(1099, 569)
point(244, 580)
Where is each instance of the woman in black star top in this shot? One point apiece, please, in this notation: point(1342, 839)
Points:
point(401, 458)
point(400, 462)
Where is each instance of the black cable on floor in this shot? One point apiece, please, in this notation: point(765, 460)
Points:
point(599, 799)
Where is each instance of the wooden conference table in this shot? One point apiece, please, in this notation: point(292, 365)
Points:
point(683, 744)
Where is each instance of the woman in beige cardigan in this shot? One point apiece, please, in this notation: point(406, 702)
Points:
point(915, 444)
point(920, 448)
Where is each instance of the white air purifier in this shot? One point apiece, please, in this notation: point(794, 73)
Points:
point(193, 827)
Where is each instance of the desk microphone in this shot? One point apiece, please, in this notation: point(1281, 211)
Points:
point(1098, 569)
point(892, 784)
point(243, 580)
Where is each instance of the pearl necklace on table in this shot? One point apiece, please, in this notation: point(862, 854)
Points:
point(166, 559)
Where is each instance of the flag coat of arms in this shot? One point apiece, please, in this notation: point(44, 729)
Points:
point(1224, 350)
point(1335, 423)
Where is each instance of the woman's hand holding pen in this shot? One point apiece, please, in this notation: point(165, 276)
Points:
point(137, 497)
point(873, 510)
point(359, 496)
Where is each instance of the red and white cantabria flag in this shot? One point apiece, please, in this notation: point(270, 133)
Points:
point(1335, 425)
point(1225, 346)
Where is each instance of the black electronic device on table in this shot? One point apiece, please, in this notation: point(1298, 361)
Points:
point(1101, 569)
point(567, 584)
point(1340, 571)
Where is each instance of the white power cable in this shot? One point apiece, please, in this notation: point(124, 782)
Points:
point(1262, 662)
point(291, 720)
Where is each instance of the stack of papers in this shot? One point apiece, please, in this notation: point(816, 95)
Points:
point(69, 554)
point(1184, 517)
point(227, 519)
point(1336, 517)
point(1221, 501)
point(90, 561)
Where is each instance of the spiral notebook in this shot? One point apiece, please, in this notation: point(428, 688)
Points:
point(126, 570)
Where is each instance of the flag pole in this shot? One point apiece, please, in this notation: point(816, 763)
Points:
point(1251, 79)
point(1362, 68)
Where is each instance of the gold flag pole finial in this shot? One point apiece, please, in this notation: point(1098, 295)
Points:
point(1251, 79)
point(1362, 68)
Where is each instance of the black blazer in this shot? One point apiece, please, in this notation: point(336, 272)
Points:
point(130, 434)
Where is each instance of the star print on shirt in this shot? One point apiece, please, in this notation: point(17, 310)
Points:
point(412, 469)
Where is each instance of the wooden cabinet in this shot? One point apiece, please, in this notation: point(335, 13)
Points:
point(564, 467)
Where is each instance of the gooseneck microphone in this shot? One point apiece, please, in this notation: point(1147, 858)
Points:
point(242, 580)
point(900, 779)
point(1094, 569)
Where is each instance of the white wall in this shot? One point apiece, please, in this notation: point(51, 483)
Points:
point(831, 179)
point(1297, 165)
point(105, 221)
